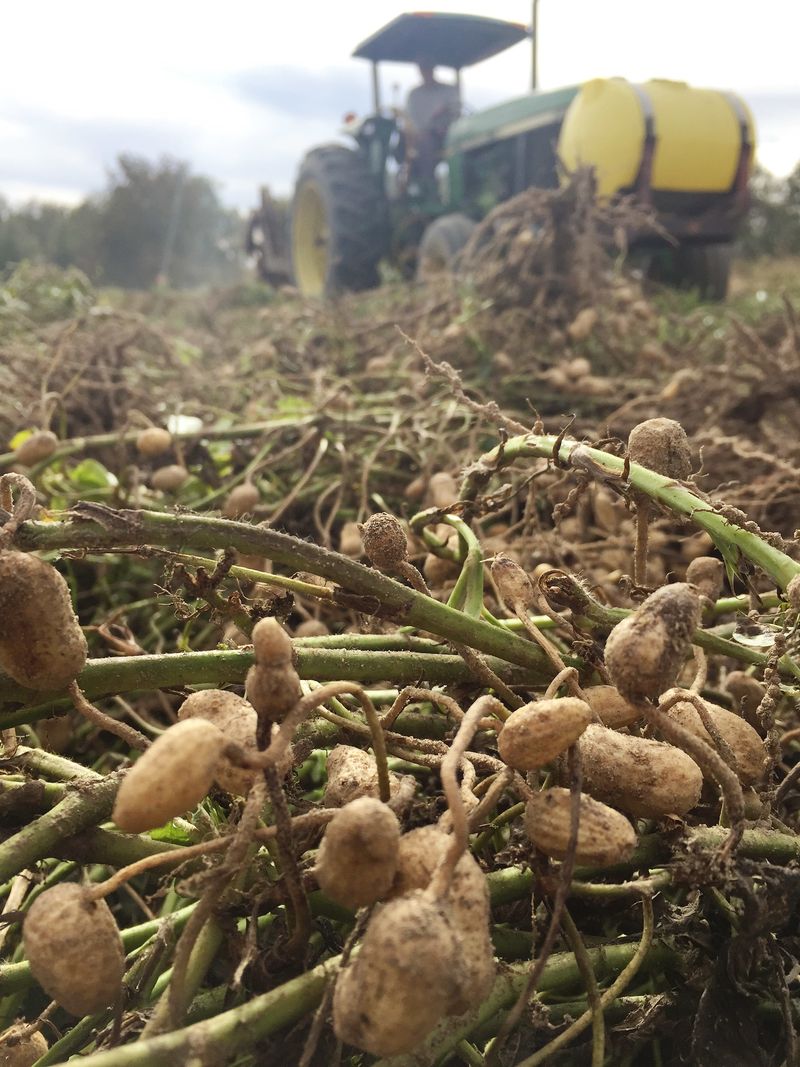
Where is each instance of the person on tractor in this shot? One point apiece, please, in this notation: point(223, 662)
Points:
point(430, 109)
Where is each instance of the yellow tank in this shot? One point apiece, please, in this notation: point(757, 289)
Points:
point(698, 134)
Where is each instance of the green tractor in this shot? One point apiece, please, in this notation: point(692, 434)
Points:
point(687, 153)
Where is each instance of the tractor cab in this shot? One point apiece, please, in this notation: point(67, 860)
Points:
point(401, 155)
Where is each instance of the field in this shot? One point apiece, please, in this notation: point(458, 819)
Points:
point(187, 879)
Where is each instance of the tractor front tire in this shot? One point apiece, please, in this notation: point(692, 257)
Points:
point(339, 223)
point(441, 245)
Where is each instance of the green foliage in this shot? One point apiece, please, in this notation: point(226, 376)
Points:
point(772, 227)
point(156, 223)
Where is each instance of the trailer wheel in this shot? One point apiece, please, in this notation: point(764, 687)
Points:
point(339, 229)
point(441, 244)
point(705, 268)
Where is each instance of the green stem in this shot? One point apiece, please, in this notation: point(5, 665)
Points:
point(725, 534)
point(560, 973)
point(363, 587)
point(127, 674)
point(85, 805)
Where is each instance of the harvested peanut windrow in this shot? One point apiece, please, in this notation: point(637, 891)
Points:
point(403, 981)
point(273, 685)
point(241, 500)
point(353, 773)
point(610, 705)
point(535, 734)
point(645, 652)
point(637, 775)
point(21, 1047)
point(237, 720)
point(604, 836)
point(466, 901)
point(384, 541)
point(74, 948)
point(40, 445)
point(662, 446)
point(169, 479)
point(741, 738)
point(171, 777)
point(41, 643)
point(708, 574)
point(358, 856)
point(154, 441)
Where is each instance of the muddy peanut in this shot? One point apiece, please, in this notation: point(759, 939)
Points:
point(74, 948)
point(41, 643)
point(358, 856)
point(153, 441)
point(645, 652)
point(34, 449)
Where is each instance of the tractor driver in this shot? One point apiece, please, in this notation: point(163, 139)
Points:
point(430, 108)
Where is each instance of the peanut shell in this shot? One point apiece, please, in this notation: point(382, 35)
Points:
point(74, 948)
point(35, 448)
point(662, 446)
point(637, 775)
point(153, 441)
point(170, 778)
point(403, 980)
point(241, 500)
point(467, 901)
point(41, 643)
point(535, 734)
point(742, 739)
point(18, 1048)
point(604, 836)
point(358, 855)
point(611, 706)
point(237, 720)
point(353, 773)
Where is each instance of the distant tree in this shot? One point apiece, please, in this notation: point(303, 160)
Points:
point(158, 221)
point(772, 226)
point(155, 221)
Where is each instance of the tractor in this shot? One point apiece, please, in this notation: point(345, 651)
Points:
point(685, 153)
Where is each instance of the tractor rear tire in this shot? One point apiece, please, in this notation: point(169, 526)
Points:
point(339, 230)
point(441, 245)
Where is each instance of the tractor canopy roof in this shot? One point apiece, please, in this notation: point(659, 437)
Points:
point(445, 40)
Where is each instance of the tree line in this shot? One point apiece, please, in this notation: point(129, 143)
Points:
point(154, 222)
point(159, 222)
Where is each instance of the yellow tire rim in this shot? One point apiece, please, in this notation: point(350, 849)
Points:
point(310, 240)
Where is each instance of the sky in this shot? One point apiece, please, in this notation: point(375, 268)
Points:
point(242, 89)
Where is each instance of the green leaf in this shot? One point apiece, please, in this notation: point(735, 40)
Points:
point(89, 474)
point(19, 437)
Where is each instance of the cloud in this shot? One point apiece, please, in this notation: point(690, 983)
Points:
point(304, 94)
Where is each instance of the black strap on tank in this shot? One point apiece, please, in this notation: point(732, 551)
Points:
point(642, 185)
point(739, 186)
